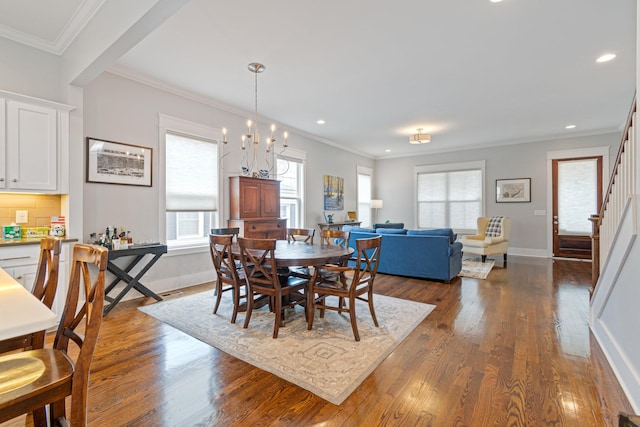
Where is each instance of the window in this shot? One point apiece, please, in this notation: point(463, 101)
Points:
point(450, 195)
point(364, 195)
point(191, 183)
point(290, 172)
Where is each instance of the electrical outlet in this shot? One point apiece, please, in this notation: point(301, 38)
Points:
point(22, 217)
point(540, 212)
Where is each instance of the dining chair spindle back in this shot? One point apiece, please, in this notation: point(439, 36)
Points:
point(49, 375)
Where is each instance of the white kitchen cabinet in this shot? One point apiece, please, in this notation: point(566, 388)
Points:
point(21, 263)
point(34, 144)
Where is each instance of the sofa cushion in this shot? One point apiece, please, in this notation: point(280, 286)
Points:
point(358, 229)
point(435, 232)
point(389, 225)
point(391, 231)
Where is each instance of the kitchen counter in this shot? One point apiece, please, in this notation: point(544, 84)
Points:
point(32, 241)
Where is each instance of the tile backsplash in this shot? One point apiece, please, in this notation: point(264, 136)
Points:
point(40, 207)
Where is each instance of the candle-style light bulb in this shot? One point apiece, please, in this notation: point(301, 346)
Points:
point(273, 129)
point(286, 135)
point(249, 123)
point(224, 135)
point(243, 139)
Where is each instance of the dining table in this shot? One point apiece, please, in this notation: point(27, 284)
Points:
point(303, 254)
point(21, 313)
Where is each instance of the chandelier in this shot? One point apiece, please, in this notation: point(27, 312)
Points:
point(419, 138)
point(251, 140)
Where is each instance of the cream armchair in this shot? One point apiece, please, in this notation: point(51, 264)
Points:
point(492, 238)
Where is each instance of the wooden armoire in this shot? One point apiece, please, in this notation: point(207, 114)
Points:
point(255, 208)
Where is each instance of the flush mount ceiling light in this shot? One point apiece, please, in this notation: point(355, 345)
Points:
point(570, 127)
point(606, 57)
point(320, 122)
point(419, 138)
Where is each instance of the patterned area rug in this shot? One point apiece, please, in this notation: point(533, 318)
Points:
point(327, 361)
point(476, 269)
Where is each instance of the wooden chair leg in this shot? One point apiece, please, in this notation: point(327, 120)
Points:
point(249, 310)
point(278, 312)
point(40, 417)
point(371, 309)
point(484, 258)
point(56, 411)
point(236, 303)
point(218, 292)
point(505, 258)
point(352, 315)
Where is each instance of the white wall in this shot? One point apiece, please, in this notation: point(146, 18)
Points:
point(122, 110)
point(30, 71)
point(394, 183)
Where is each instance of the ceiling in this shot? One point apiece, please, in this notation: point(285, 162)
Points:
point(472, 73)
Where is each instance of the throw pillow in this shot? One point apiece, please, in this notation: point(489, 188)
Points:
point(494, 227)
point(389, 225)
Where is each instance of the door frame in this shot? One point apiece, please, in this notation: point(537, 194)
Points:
point(569, 154)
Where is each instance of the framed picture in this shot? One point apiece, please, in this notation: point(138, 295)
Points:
point(513, 190)
point(333, 193)
point(111, 162)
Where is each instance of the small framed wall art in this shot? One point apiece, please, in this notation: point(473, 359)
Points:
point(516, 190)
point(111, 162)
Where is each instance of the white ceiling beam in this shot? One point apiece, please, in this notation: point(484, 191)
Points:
point(116, 28)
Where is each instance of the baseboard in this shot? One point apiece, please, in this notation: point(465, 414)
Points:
point(537, 253)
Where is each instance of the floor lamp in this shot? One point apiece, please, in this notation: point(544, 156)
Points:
point(376, 204)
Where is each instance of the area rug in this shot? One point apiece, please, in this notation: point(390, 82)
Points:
point(327, 361)
point(476, 269)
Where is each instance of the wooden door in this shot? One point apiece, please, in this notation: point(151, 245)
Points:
point(249, 198)
point(577, 194)
point(270, 203)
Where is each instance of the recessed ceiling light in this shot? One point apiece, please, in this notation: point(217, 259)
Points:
point(606, 57)
point(387, 151)
point(320, 122)
point(570, 127)
point(495, 1)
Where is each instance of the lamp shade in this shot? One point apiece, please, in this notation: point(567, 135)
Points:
point(376, 204)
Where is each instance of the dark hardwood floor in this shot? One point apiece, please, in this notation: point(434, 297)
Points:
point(512, 350)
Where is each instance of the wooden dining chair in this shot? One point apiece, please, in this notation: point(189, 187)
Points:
point(351, 283)
point(261, 273)
point(234, 231)
point(230, 278)
point(301, 235)
point(49, 375)
point(336, 238)
point(44, 288)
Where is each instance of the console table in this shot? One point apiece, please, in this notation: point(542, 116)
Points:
point(122, 275)
point(337, 225)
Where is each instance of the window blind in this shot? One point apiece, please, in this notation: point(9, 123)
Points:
point(450, 199)
point(191, 174)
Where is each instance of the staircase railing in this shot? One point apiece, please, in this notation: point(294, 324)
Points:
point(621, 186)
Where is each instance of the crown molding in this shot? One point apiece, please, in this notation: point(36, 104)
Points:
point(149, 81)
point(67, 35)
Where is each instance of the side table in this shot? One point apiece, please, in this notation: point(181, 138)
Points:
point(337, 225)
point(138, 252)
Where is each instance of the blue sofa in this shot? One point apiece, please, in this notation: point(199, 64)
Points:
point(428, 254)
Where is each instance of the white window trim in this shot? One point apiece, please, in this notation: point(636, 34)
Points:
point(449, 167)
point(299, 156)
point(180, 126)
point(364, 170)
